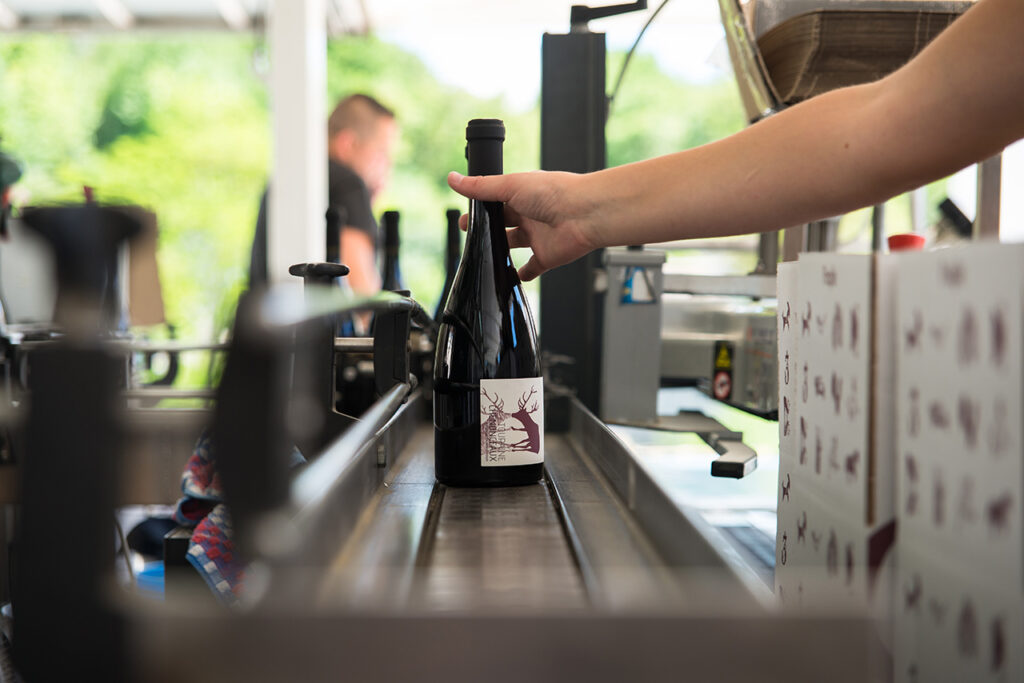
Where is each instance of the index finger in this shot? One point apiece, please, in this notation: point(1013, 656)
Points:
point(494, 188)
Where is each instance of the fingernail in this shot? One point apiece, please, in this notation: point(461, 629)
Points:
point(455, 177)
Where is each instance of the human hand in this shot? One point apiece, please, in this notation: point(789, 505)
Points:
point(544, 210)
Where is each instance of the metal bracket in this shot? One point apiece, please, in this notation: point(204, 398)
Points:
point(736, 459)
point(580, 15)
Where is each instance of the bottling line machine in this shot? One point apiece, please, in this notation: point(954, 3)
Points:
point(358, 561)
point(616, 566)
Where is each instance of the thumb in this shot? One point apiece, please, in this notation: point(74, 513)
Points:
point(495, 188)
point(531, 269)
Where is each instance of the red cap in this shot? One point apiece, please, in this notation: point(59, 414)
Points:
point(907, 241)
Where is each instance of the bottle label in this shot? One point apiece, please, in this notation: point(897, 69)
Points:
point(511, 421)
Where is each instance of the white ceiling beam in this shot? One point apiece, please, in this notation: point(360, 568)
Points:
point(234, 14)
point(116, 13)
point(8, 19)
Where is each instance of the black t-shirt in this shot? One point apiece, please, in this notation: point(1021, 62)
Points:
point(345, 191)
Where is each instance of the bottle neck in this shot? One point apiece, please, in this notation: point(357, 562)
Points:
point(484, 157)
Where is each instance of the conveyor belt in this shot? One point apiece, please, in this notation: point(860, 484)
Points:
point(593, 574)
point(570, 542)
point(432, 547)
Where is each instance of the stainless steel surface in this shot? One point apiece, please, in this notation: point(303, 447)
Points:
point(694, 645)
point(328, 496)
point(878, 228)
point(693, 325)
point(162, 393)
point(792, 242)
point(821, 235)
point(756, 286)
point(600, 575)
point(283, 307)
point(681, 536)
point(171, 346)
point(599, 532)
point(619, 256)
point(767, 253)
point(630, 338)
point(376, 565)
point(618, 565)
point(735, 459)
point(354, 344)
point(498, 548)
point(756, 90)
point(990, 180)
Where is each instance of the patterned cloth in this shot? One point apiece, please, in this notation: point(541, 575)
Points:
point(211, 550)
point(212, 553)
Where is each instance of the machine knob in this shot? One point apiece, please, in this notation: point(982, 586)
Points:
point(318, 273)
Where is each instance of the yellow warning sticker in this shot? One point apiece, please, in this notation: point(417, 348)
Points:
point(724, 360)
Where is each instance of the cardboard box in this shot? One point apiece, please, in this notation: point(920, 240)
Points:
point(960, 470)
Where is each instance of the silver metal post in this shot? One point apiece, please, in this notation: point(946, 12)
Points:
point(990, 177)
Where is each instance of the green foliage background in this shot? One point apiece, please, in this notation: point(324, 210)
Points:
point(180, 124)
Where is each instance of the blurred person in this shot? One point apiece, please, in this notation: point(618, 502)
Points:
point(361, 135)
point(958, 102)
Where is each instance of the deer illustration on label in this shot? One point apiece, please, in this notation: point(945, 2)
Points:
point(516, 437)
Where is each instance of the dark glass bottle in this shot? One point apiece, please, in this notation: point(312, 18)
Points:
point(488, 391)
point(391, 274)
point(335, 219)
point(451, 259)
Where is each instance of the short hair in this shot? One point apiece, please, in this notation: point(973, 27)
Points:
point(357, 112)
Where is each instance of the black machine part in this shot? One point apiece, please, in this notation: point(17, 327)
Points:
point(85, 240)
point(318, 273)
point(580, 15)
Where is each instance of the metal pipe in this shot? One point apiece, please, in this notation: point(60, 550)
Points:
point(160, 393)
point(353, 344)
point(990, 175)
point(758, 286)
point(170, 346)
point(291, 537)
point(877, 227)
point(311, 488)
point(767, 253)
point(283, 307)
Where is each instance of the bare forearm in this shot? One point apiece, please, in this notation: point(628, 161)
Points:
point(358, 254)
point(959, 102)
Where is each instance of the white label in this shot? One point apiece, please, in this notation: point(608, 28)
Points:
point(511, 421)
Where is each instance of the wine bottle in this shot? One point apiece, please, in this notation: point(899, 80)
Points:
point(451, 259)
point(488, 391)
point(391, 275)
point(335, 219)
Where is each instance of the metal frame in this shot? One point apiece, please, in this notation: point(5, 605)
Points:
point(572, 138)
point(665, 599)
